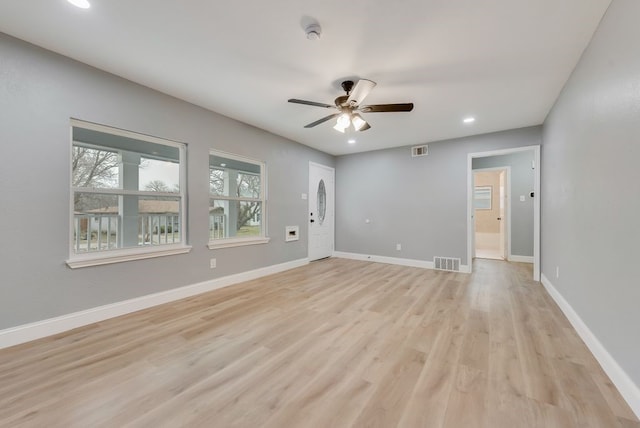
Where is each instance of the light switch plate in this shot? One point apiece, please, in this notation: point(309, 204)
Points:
point(521, 198)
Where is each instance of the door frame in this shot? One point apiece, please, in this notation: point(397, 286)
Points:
point(507, 210)
point(332, 194)
point(536, 202)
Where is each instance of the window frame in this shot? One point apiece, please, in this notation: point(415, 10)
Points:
point(102, 257)
point(479, 198)
point(248, 240)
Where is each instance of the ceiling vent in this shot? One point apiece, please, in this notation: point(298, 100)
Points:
point(417, 151)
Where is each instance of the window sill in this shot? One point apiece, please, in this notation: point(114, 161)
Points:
point(236, 242)
point(125, 255)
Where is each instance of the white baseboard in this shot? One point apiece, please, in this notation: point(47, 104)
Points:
point(629, 390)
point(520, 259)
point(36, 330)
point(392, 260)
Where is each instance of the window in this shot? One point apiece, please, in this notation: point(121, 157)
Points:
point(482, 198)
point(127, 196)
point(322, 202)
point(237, 203)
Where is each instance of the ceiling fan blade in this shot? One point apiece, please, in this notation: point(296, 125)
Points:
point(324, 119)
point(310, 103)
point(381, 108)
point(360, 92)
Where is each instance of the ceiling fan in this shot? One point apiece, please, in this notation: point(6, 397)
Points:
point(349, 106)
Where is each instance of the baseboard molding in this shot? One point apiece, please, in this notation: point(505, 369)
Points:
point(520, 259)
point(392, 260)
point(629, 390)
point(36, 330)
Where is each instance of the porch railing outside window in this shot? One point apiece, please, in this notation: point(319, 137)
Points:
point(217, 224)
point(100, 232)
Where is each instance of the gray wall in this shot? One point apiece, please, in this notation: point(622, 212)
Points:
point(522, 181)
point(39, 92)
point(590, 202)
point(419, 202)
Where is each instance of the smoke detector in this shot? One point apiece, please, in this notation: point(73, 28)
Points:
point(313, 31)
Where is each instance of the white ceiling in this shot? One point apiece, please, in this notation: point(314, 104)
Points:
point(502, 61)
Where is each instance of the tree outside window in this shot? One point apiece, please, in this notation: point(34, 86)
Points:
point(237, 202)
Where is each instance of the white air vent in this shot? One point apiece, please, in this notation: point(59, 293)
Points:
point(419, 151)
point(446, 263)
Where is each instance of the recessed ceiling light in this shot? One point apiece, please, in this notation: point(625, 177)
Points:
point(223, 165)
point(82, 4)
point(351, 141)
point(469, 119)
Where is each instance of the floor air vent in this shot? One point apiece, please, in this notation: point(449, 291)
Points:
point(446, 263)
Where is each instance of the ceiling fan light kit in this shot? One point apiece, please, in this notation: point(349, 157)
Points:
point(358, 122)
point(349, 106)
point(82, 4)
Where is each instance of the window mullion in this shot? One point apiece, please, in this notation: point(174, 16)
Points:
point(235, 198)
point(126, 192)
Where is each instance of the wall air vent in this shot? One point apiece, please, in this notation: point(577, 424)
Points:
point(446, 263)
point(419, 151)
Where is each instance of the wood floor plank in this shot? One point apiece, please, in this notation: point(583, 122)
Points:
point(337, 343)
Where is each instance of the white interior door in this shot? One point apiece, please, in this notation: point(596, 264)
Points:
point(321, 211)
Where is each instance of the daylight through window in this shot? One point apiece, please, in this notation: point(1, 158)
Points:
point(236, 200)
point(127, 191)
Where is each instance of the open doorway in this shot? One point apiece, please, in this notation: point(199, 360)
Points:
point(491, 217)
point(522, 225)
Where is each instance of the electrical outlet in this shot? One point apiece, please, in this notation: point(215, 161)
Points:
point(398, 247)
point(212, 263)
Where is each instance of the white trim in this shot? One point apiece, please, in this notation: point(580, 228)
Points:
point(536, 215)
point(125, 255)
point(123, 133)
point(501, 152)
point(629, 390)
point(36, 330)
point(536, 201)
point(236, 242)
point(391, 260)
point(319, 165)
point(520, 259)
point(124, 192)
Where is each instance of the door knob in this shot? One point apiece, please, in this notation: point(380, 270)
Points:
point(311, 220)
point(499, 218)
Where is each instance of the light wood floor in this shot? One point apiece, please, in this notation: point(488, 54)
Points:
point(338, 343)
